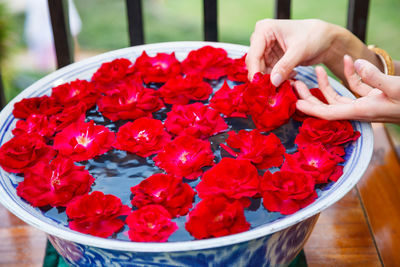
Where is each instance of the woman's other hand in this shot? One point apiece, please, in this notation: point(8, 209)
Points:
point(379, 99)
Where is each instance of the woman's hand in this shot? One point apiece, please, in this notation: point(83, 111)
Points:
point(277, 46)
point(379, 99)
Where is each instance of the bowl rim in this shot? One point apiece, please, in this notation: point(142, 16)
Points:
point(341, 188)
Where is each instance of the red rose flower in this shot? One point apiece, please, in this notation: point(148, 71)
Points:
point(150, 223)
point(270, 107)
point(233, 178)
point(35, 123)
point(83, 141)
point(68, 116)
point(329, 133)
point(316, 161)
point(43, 105)
point(129, 100)
point(264, 151)
point(143, 137)
point(185, 156)
point(165, 190)
point(287, 192)
point(78, 91)
point(215, 217)
point(208, 61)
point(54, 184)
point(237, 70)
point(300, 116)
point(96, 214)
point(229, 101)
point(180, 90)
point(336, 150)
point(24, 151)
point(110, 73)
point(157, 69)
point(195, 119)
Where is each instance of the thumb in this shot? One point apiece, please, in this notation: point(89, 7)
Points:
point(373, 77)
point(284, 67)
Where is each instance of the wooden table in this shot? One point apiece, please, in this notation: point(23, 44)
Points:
point(362, 229)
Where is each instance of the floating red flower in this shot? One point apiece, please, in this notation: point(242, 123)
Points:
point(96, 214)
point(185, 156)
point(264, 151)
point(208, 61)
point(35, 123)
point(24, 151)
point(150, 223)
point(300, 116)
point(78, 91)
point(43, 105)
point(143, 137)
point(157, 69)
point(83, 141)
point(180, 90)
point(216, 216)
point(195, 119)
point(229, 101)
point(54, 184)
point(68, 116)
point(329, 133)
point(287, 192)
point(269, 106)
point(129, 100)
point(316, 161)
point(165, 190)
point(111, 73)
point(233, 178)
point(237, 70)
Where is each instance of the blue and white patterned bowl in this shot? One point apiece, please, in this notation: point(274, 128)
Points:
point(272, 244)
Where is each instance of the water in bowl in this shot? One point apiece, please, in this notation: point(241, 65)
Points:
point(117, 171)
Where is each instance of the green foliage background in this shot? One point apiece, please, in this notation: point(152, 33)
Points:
point(177, 20)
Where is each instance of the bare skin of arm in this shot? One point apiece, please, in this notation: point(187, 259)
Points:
point(397, 68)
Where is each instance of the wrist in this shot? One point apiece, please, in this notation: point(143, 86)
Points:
point(345, 42)
point(340, 41)
point(397, 68)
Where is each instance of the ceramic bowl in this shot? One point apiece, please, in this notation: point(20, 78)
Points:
point(272, 244)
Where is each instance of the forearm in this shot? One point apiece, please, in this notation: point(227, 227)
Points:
point(344, 42)
point(397, 68)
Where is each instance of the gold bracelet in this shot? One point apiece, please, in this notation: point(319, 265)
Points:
point(387, 61)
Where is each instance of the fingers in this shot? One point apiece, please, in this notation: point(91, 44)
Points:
point(260, 44)
point(330, 94)
point(328, 112)
point(304, 93)
point(255, 54)
point(339, 107)
point(284, 67)
point(273, 56)
point(375, 104)
point(353, 79)
point(292, 74)
point(372, 76)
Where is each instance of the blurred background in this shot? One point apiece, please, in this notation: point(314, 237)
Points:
point(100, 25)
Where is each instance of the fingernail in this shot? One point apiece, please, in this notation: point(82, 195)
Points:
point(358, 64)
point(276, 79)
